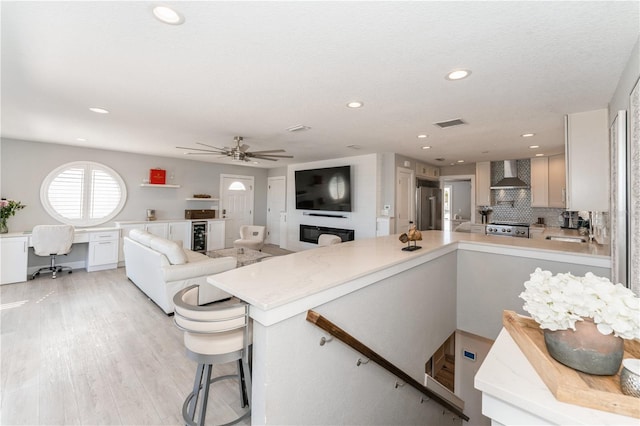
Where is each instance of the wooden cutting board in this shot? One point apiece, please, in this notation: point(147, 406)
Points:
point(566, 384)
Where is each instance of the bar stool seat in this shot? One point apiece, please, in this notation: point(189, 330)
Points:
point(216, 333)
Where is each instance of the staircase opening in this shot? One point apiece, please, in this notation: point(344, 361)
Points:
point(441, 365)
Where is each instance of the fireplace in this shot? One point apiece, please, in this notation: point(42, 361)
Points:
point(310, 233)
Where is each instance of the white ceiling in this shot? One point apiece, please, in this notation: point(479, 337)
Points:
point(256, 68)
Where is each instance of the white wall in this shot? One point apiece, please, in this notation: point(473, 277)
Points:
point(25, 164)
point(404, 318)
point(364, 199)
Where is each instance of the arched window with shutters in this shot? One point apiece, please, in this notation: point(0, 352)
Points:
point(83, 193)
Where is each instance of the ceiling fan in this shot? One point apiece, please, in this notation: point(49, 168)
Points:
point(237, 153)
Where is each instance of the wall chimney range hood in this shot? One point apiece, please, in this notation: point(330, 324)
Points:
point(511, 179)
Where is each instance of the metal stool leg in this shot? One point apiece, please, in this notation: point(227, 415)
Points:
point(197, 383)
point(205, 396)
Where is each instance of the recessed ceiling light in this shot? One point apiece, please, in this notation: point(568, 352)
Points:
point(355, 104)
point(534, 146)
point(167, 15)
point(539, 155)
point(527, 135)
point(298, 128)
point(99, 110)
point(423, 136)
point(81, 139)
point(458, 74)
point(460, 161)
point(426, 147)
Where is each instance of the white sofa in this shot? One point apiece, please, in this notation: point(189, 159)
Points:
point(161, 268)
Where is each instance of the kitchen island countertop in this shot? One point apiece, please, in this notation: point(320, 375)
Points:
point(328, 272)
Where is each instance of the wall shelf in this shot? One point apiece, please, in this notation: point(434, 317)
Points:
point(203, 199)
point(156, 185)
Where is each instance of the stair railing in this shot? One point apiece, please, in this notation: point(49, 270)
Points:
point(354, 343)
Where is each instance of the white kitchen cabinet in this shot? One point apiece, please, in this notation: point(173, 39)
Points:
point(103, 250)
point(540, 182)
point(427, 171)
point(483, 183)
point(180, 231)
point(160, 229)
point(548, 181)
point(587, 165)
point(215, 234)
point(557, 181)
point(13, 259)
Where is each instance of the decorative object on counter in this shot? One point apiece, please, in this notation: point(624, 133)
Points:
point(594, 308)
point(201, 196)
point(584, 224)
point(412, 235)
point(151, 215)
point(484, 212)
point(8, 208)
point(157, 176)
point(565, 383)
point(630, 377)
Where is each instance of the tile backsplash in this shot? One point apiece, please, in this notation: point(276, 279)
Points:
point(514, 205)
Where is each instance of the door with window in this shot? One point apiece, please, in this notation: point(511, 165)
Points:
point(276, 203)
point(236, 198)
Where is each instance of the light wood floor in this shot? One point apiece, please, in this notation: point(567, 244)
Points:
point(89, 349)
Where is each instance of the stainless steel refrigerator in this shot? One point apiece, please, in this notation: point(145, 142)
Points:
point(429, 205)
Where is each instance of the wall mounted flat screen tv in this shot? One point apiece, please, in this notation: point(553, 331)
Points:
point(324, 189)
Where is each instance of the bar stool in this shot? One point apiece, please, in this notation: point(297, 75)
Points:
point(217, 333)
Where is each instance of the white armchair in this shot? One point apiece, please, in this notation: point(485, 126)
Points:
point(251, 237)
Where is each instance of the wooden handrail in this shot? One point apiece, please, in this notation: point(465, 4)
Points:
point(351, 341)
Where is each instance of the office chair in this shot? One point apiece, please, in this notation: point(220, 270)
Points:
point(52, 241)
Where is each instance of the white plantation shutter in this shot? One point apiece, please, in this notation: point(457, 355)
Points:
point(83, 193)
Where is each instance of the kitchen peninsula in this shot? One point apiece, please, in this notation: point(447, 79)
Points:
point(402, 304)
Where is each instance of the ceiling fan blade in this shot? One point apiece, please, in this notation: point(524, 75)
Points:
point(243, 147)
point(220, 154)
point(262, 158)
point(270, 150)
point(270, 155)
point(199, 149)
point(211, 146)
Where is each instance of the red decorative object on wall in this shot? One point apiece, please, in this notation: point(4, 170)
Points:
point(158, 176)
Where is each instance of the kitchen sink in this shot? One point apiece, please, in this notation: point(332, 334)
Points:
point(566, 239)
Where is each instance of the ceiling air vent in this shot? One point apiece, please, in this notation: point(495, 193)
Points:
point(439, 159)
point(450, 123)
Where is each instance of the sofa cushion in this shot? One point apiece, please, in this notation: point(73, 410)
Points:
point(170, 249)
point(141, 236)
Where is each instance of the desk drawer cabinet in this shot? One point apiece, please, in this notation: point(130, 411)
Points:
point(13, 260)
point(103, 250)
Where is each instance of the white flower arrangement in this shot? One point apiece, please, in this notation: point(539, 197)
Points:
point(556, 302)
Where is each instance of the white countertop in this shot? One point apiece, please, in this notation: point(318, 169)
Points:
point(283, 280)
point(507, 376)
point(76, 231)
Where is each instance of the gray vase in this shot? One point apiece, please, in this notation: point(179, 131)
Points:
point(586, 349)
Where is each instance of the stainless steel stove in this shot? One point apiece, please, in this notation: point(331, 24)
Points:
point(508, 229)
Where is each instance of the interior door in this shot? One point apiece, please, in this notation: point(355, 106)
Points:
point(237, 197)
point(405, 199)
point(276, 203)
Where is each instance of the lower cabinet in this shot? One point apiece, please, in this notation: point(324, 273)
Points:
point(13, 258)
point(215, 234)
point(103, 250)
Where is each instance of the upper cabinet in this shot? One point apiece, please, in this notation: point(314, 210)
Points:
point(540, 182)
point(587, 161)
point(557, 181)
point(548, 181)
point(427, 171)
point(483, 183)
